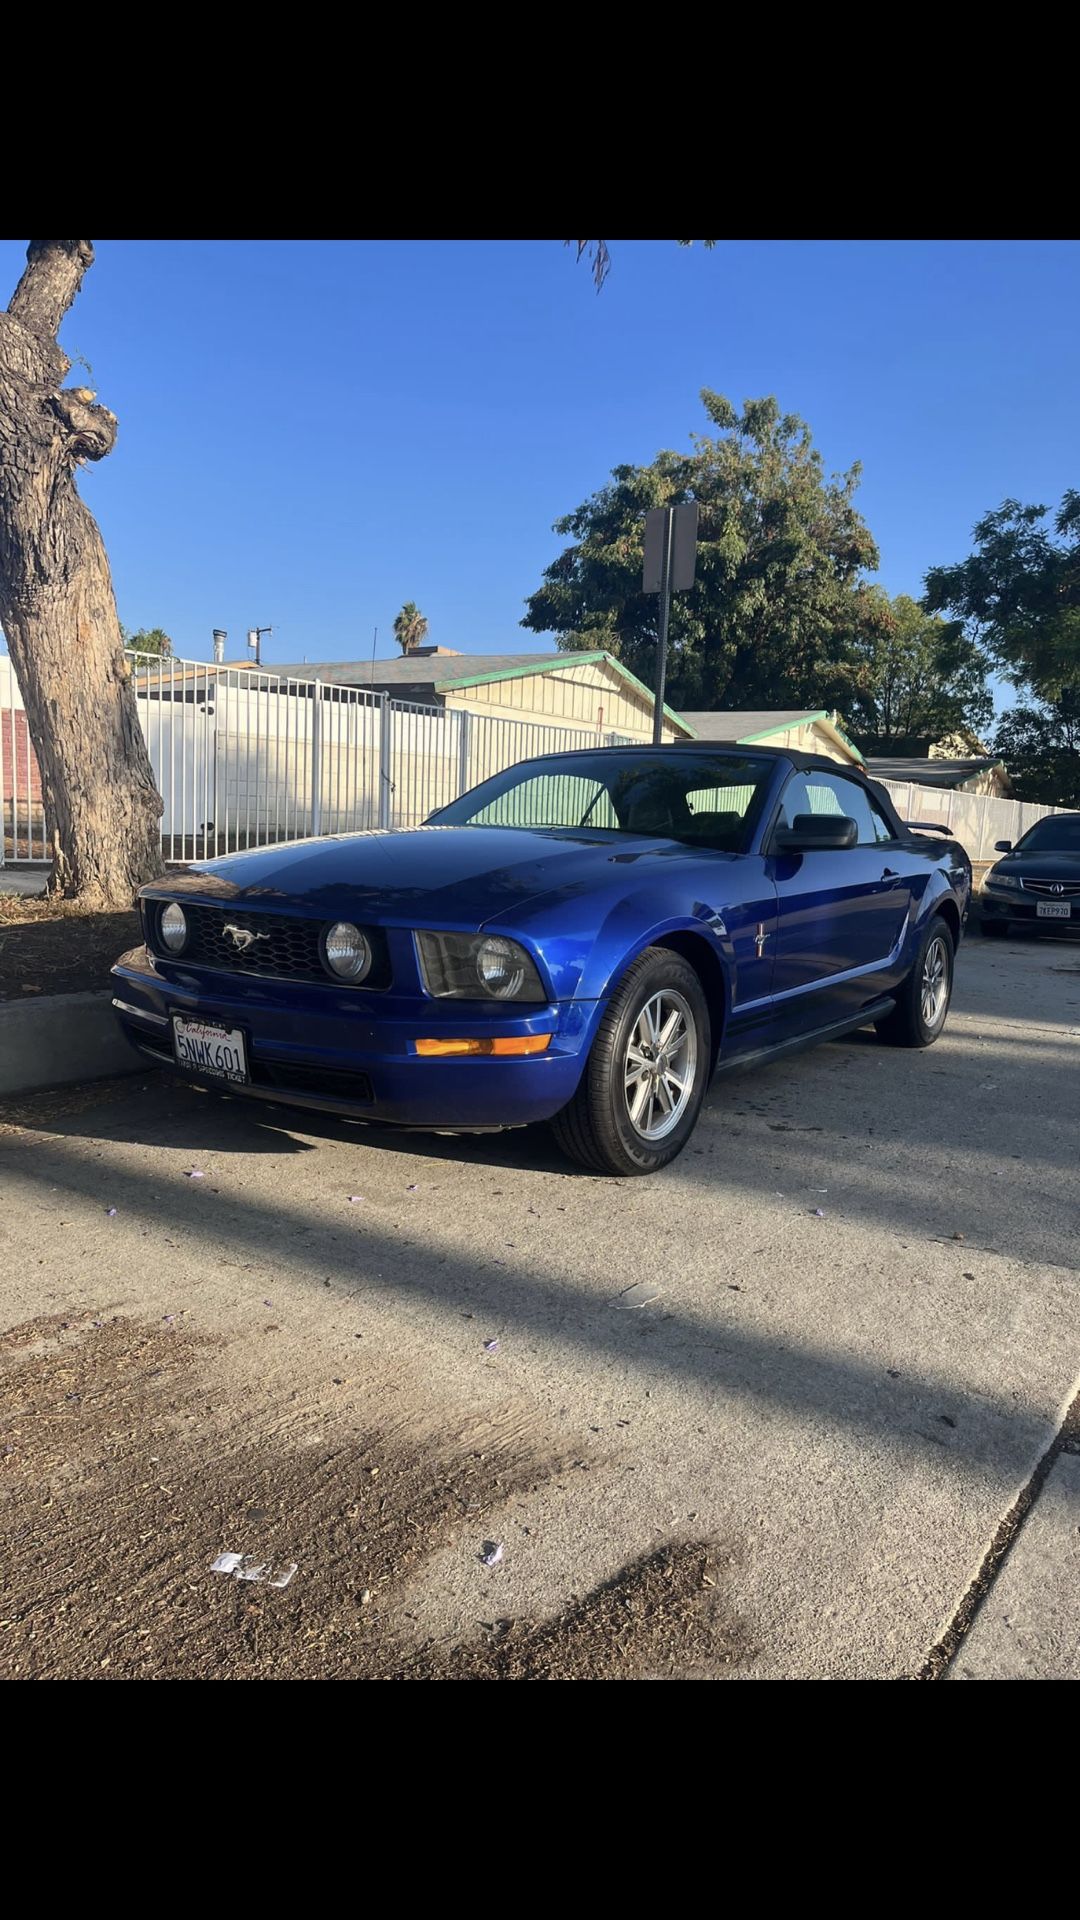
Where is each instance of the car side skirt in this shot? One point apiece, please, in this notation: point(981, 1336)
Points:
point(796, 1043)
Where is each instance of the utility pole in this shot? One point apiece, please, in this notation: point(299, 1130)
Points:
point(255, 635)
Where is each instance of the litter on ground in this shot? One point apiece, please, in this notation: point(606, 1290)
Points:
point(244, 1566)
point(638, 1295)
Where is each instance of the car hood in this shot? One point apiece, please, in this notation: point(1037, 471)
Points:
point(1041, 866)
point(449, 876)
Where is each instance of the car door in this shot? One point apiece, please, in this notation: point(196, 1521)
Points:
point(841, 913)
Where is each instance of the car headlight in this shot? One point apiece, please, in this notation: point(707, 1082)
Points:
point(1007, 880)
point(172, 927)
point(347, 951)
point(477, 966)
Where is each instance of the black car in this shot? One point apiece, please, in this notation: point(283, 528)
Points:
point(1037, 884)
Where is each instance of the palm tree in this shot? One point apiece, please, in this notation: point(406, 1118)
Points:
point(410, 627)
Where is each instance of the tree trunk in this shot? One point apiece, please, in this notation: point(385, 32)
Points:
point(57, 605)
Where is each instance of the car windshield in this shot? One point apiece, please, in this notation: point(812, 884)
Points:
point(1052, 835)
point(705, 799)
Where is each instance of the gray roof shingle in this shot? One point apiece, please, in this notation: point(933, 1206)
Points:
point(741, 726)
point(427, 669)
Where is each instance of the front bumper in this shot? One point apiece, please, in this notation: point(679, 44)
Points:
point(340, 1050)
point(1021, 909)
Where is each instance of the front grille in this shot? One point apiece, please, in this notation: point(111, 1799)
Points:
point(1053, 889)
point(283, 948)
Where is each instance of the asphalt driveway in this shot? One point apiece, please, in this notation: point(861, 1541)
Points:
point(795, 1448)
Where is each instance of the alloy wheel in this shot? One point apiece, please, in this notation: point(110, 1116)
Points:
point(660, 1066)
point(934, 986)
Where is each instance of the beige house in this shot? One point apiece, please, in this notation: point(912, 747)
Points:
point(591, 693)
point(809, 730)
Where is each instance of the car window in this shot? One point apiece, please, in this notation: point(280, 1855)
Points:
point(551, 800)
point(1057, 834)
point(720, 799)
point(832, 793)
point(705, 799)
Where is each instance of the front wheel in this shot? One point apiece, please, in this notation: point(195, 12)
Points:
point(922, 1000)
point(646, 1074)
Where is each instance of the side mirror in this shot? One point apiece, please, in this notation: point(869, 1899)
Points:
point(1003, 846)
point(816, 833)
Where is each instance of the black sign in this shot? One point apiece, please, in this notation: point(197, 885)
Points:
point(683, 523)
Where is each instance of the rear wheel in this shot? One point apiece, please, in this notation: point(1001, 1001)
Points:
point(922, 1001)
point(645, 1078)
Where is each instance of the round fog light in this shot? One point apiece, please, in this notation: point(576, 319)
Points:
point(347, 951)
point(173, 928)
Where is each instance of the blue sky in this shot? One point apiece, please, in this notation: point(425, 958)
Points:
point(313, 432)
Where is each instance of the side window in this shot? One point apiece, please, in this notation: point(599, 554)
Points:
point(831, 793)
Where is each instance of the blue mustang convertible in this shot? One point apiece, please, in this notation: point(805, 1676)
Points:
point(581, 939)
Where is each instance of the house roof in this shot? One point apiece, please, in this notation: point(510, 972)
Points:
point(414, 675)
point(425, 668)
point(745, 726)
point(933, 773)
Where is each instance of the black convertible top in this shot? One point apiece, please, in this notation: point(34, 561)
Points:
point(806, 762)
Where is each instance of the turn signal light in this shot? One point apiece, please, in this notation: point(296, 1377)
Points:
point(518, 1044)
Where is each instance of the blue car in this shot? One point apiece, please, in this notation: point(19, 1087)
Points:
point(582, 939)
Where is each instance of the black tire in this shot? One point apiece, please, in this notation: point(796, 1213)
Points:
point(908, 1025)
point(993, 929)
point(595, 1128)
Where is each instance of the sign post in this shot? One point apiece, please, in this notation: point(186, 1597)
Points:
point(670, 559)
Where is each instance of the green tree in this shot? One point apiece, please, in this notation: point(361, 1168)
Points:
point(148, 640)
point(920, 677)
point(410, 627)
point(776, 611)
point(1040, 745)
point(1020, 593)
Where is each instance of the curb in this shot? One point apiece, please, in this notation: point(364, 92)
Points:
point(60, 1038)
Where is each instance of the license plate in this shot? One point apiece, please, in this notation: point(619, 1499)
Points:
point(203, 1047)
point(1054, 910)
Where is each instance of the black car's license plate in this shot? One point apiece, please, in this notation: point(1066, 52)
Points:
point(204, 1047)
point(1053, 910)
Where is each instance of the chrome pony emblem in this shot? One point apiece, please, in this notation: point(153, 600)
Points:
point(760, 938)
point(243, 938)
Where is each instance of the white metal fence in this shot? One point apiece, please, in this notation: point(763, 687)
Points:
point(243, 758)
point(977, 820)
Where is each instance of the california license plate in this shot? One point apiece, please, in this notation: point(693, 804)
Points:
point(1054, 910)
point(203, 1047)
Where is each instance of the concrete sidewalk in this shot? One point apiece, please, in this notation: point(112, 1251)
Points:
point(864, 1328)
point(1028, 1627)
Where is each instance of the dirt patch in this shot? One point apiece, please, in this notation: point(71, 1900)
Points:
point(38, 1110)
point(661, 1618)
point(127, 1464)
point(51, 946)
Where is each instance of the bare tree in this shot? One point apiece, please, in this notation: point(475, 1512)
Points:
point(56, 599)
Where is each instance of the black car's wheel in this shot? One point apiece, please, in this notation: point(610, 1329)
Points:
point(922, 1000)
point(645, 1078)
